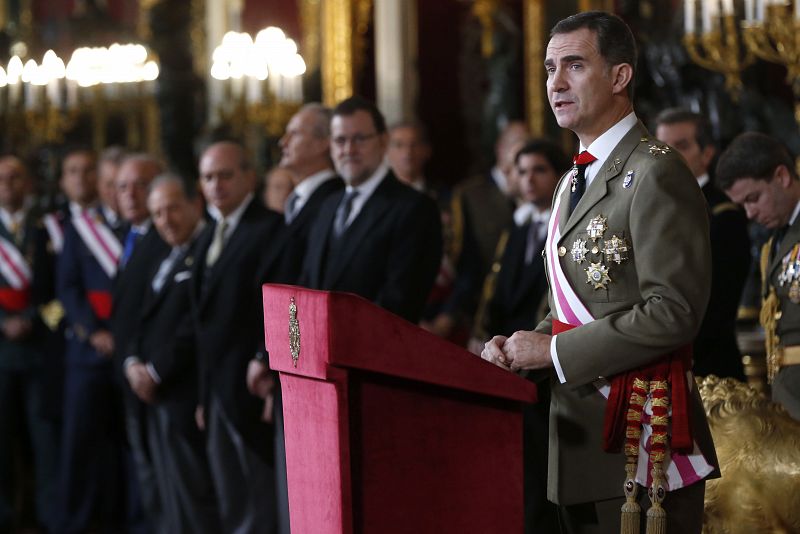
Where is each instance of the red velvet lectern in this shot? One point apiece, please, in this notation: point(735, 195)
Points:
point(390, 429)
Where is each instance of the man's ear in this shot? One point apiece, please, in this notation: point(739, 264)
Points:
point(783, 175)
point(621, 76)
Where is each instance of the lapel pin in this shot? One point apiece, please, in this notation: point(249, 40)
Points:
point(628, 181)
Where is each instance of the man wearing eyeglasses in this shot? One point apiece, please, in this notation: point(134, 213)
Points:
point(379, 238)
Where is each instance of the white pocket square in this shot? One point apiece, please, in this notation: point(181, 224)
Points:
point(181, 276)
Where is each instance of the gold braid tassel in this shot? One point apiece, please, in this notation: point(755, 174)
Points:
point(770, 313)
point(656, 515)
point(631, 511)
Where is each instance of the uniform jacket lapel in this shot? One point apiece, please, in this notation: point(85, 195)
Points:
point(612, 167)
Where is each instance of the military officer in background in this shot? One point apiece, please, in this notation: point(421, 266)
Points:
point(758, 172)
point(26, 274)
point(715, 349)
point(628, 224)
point(91, 490)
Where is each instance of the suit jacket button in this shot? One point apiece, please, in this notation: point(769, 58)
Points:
point(562, 251)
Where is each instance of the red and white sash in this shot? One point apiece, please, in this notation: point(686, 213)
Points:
point(55, 231)
point(681, 469)
point(13, 266)
point(101, 242)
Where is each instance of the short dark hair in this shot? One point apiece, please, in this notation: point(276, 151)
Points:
point(188, 189)
point(349, 106)
point(702, 128)
point(614, 38)
point(72, 149)
point(551, 152)
point(753, 155)
point(113, 154)
point(244, 159)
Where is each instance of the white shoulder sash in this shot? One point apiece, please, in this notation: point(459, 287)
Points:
point(101, 242)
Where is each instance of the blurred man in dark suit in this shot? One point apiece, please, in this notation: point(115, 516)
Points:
point(141, 245)
point(379, 238)
point(161, 366)
point(226, 301)
point(715, 349)
point(305, 155)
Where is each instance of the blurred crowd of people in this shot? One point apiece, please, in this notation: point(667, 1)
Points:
point(134, 379)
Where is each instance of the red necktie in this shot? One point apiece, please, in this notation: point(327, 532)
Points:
point(581, 161)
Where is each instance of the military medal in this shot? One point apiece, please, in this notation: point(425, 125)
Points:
point(579, 251)
point(597, 275)
point(597, 225)
point(628, 181)
point(574, 177)
point(790, 270)
point(616, 249)
point(613, 166)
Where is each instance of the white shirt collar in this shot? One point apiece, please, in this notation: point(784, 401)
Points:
point(500, 179)
point(365, 190)
point(703, 179)
point(795, 213)
point(528, 212)
point(234, 217)
point(307, 187)
point(12, 219)
point(142, 228)
point(603, 146)
point(76, 210)
point(110, 215)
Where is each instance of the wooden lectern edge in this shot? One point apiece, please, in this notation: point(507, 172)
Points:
point(504, 385)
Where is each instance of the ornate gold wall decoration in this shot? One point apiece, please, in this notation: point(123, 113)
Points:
point(484, 11)
point(310, 15)
point(337, 51)
point(591, 5)
point(535, 97)
point(362, 19)
point(143, 20)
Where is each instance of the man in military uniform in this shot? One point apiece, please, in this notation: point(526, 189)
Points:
point(758, 172)
point(626, 228)
point(715, 349)
point(26, 273)
point(93, 436)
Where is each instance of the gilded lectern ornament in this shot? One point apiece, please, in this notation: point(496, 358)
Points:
point(294, 332)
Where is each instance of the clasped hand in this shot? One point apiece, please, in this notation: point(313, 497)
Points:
point(523, 350)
